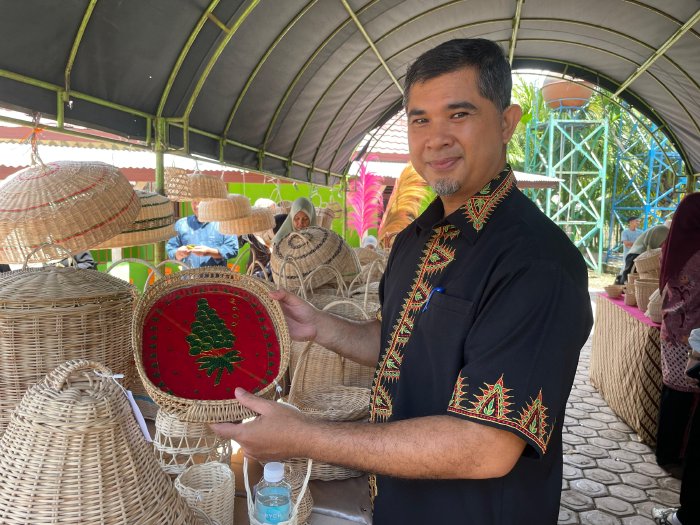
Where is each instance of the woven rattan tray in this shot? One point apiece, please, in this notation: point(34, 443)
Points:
point(200, 333)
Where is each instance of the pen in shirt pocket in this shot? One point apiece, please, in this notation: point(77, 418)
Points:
point(437, 289)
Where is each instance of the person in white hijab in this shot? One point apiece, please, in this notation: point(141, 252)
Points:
point(302, 215)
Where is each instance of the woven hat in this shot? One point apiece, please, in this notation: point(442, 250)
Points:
point(50, 315)
point(308, 249)
point(74, 454)
point(259, 220)
point(154, 223)
point(75, 204)
point(198, 334)
point(232, 207)
point(204, 187)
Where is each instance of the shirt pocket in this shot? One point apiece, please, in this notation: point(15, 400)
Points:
point(443, 326)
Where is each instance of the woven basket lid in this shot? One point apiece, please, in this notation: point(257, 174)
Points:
point(232, 207)
point(75, 204)
point(308, 249)
point(154, 223)
point(200, 333)
point(204, 187)
point(74, 454)
point(259, 220)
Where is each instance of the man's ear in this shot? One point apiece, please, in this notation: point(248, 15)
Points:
point(510, 118)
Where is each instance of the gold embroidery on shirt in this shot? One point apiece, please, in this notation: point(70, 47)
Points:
point(479, 207)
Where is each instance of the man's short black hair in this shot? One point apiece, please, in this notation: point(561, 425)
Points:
point(487, 57)
point(630, 219)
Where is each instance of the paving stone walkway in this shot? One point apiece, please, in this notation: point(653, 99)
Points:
point(610, 476)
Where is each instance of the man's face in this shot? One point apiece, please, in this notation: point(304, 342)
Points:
point(456, 137)
point(633, 224)
point(195, 208)
point(301, 221)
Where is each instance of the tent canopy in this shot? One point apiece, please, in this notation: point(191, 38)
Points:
point(291, 87)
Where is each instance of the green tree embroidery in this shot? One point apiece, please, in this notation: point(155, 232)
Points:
point(212, 341)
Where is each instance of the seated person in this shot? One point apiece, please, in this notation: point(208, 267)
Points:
point(649, 240)
point(200, 244)
point(302, 215)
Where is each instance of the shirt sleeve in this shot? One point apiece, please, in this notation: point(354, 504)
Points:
point(521, 353)
point(228, 247)
point(173, 244)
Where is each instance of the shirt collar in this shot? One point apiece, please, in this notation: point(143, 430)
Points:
point(472, 216)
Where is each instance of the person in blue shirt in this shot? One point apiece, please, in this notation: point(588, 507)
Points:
point(200, 244)
point(629, 235)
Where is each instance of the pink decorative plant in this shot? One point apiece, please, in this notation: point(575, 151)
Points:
point(366, 201)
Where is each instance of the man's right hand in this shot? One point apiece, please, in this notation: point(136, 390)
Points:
point(182, 252)
point(301, 316)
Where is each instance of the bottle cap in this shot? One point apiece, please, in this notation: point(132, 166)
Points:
point(274, 472)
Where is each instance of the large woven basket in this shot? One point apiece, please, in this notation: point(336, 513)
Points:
point(74, 454)
point(178, 444)
point(198, 334)
point(209, 487)
point(154, 223)
point(50, 315)
point(232, 207)
point(309, 249)
point(654, 307)
point(203, 187)
point(648, 263)
point(259, 220)
point(177, 184)
point(643, 288)
point(75, 204)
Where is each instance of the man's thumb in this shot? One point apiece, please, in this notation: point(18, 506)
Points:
point(249, 400)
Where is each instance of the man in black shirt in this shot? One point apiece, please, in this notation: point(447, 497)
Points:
point(484, 311)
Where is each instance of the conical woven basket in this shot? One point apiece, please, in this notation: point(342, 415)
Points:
point(232, 207)
point(154, 223)
point(74, 454)
point(203, 187)
point(308, 249)
point(50, 315)
point(177, 184)
point(259, 220)
point(77, 205)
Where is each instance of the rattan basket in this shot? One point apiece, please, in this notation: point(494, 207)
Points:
point(154, 223)
point(614, 290)
point(294, 475)
point(284, 206)
point(648, 263)
point(176, 184)
point(309, 249)
point(50, 315)
point(259, 220)
point(203, 187)
point(324, 217)
point(209, 487)
point(630, 299)
point(643, 288)
point(654, 307)
point(178, 444)
point(75, 204)
point(232, 207)
point(171, 316)
point(74, 454)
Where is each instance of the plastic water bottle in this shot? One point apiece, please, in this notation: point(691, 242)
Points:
point(273, 495)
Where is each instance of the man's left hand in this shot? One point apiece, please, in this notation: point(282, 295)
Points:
point(277, 433)
point(205, 251)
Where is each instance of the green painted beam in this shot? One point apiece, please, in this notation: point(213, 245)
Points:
point(76, 45)
point(514, 34)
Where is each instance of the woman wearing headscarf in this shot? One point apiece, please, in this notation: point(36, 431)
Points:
point(302, 215)
point(679, 416)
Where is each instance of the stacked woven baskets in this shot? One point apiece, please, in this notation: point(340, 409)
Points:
point(648, 264)
point(73, 454)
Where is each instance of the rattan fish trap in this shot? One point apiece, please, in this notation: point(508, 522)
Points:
point(178, 444)
point(75, 204)
point(74, 454)
point(308, 249)
point(232, 207)
point(209, 487)
point(198, 334)
point(259, 220)
point(51, 315)
point(203, 187)
point(154, 223)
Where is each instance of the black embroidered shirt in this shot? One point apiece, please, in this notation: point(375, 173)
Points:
point(484, 314)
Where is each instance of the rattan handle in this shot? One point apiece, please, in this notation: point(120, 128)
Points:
point(339, 278)
point(46, 244)
point(297, 234)
point(282, 275)
point(58, 377)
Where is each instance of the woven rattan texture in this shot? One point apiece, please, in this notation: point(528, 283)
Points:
point(233, 207)
point(295, 477)
point(626, 367)
point(208, 411)
point(154, 223)
point(51, 315)
point(77, 205)
point(259, 220)
point(324, 217)
point(178, 444)
point(209, 487)
point(309, 249)
point(654, 307)
point(204, 187)
point(643, 288)
point(176, 184)
point(73, 454)
point(649, 261)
